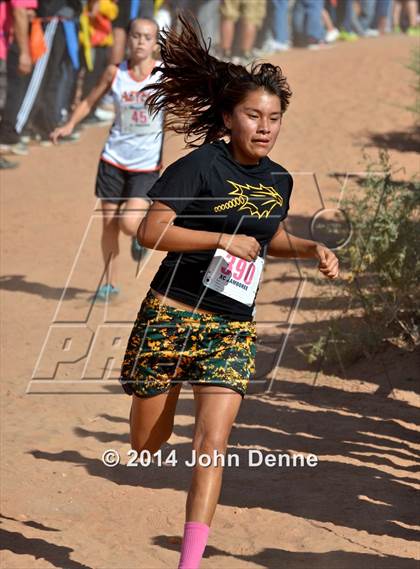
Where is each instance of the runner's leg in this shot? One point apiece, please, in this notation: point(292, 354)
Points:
point(152, 419)
point(216, 410)
point(109, 240)
point(132, 212)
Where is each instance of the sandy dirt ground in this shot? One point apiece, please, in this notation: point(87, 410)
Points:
point(62, 507)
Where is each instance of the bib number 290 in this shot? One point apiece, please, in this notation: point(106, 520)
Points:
point(233, 276)
point(239, 269)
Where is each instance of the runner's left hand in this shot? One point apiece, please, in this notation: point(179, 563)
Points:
point(328, 262)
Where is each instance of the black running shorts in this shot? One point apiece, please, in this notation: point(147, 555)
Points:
point(117, 186)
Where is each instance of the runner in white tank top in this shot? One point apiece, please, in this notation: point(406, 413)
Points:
point(131, 159)
point(135, 140)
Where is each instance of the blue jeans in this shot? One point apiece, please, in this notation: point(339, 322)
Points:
point(280, 22)
point(348, 16)
point(383, 9)
point(368, 13)
point(332, 11)
point(361, 23)
point(307, 20)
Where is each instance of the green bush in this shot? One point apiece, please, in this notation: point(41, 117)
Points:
point(382, 259)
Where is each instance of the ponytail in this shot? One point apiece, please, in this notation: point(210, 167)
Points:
point(196, 88)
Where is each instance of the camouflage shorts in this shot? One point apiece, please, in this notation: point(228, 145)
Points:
point(169, 345)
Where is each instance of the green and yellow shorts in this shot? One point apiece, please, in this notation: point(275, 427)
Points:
point(169, 345)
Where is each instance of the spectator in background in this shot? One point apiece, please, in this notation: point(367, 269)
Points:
point(252, 16)
point(331, 32)
point(15, 18)
point(308, 27)
point(14, 24)
point(358, 22)
point(208, 16)
point(364, 21)
point(96, 40)
point(409, 9)
point(347, 18)
point(278, 21)
point(383, 16)
point(39, 106)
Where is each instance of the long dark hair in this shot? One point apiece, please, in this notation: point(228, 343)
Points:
point(196, 88)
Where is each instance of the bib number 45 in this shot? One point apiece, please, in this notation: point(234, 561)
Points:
point(139, 116)
point(135, 119)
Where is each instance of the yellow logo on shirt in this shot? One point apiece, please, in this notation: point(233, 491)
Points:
point(259, 200)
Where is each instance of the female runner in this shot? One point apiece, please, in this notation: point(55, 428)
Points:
point(217, 211)
point(131, 159)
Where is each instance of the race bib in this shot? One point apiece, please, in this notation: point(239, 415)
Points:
point(135, 119)
point(234, 277)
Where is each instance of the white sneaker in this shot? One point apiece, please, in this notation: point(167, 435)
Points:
point(272, 46)
point(332, 35)
point(19, 149)
point(371, 33)
point(318, 46)
point(268, 45)
point(278, 46)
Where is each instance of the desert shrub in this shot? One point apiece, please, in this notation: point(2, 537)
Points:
point(382, 264)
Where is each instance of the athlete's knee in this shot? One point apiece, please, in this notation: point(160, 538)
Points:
point(208, 442)
point(127, 226)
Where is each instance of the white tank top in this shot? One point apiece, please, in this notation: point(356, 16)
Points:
point(135, 139)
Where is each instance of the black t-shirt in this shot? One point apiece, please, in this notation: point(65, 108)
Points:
point(210, 191)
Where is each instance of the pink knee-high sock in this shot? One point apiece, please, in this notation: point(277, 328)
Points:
point(193, 544)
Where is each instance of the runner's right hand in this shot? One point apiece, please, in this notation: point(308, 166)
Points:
point(241, 246)
point(65, 130)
